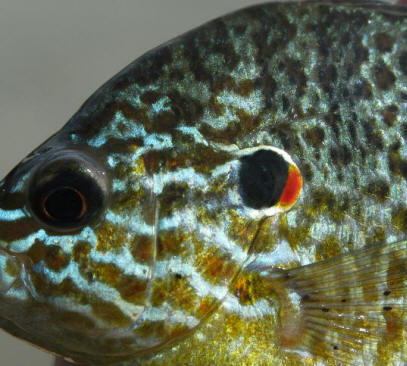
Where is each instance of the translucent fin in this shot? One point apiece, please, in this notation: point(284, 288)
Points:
point(349, 307)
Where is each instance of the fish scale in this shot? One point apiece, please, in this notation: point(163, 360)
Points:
point(174, 265)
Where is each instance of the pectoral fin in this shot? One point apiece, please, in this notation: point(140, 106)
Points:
point(350, 307)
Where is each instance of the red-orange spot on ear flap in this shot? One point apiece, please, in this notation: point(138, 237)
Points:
point(292, 187)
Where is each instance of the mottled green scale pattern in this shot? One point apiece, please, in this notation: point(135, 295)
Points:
point(169, 273)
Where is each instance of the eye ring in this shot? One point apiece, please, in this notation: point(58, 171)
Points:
point(68, 192)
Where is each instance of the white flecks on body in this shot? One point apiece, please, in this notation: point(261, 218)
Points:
point(12, 215)
point(194, 133)
point(95, 287)
point(133, 223)
point(212, 235)
point(281, 254)
point(187, 175)
point(124, 261)
point(133, 130)
point(163, 104)
point(203, 288)
point(66, 244)
point(257, 310)
point(166, 313)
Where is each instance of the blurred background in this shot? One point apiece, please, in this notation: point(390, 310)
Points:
point(54, 54)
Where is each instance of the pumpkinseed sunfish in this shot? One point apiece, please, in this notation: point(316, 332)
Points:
point(234, 196)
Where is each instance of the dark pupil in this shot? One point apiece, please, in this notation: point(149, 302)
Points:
point(64, 204)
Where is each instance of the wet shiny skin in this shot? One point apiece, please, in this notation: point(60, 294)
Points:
point(188, 276)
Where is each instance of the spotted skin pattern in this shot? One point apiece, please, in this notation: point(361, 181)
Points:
point(178, 269)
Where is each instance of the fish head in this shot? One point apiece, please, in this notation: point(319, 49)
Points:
point(57, 205)
point(119, 238)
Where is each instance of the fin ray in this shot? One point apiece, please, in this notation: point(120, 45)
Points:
point(349, 306)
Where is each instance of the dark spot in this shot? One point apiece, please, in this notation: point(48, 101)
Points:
point(296, 75)
point(343, 300)
point(150, 67)
point(178, 276)
point(90, 277)
point(396, 164)
point(173, 196)
point(150, 97)
point(352, 130)
point(269, 86)
point(361, 52)
point(281, 66)
point(390, 114)
point(283, 30)
point(164, 122)
point(286, 135)
point(222, 83)
point(395, 146)
point(333, 120)
point(384, 42)
point(362, 89)
point(363, 152)
point(240, 29)
point(18, 229)
point(403, 62)
point(385, 78)
point(327, 77)
point(387, 293)
point(176, 74)
point(306, 171)
point(404, 129)
point(315, 136)
point(335, 347)
point(399, 219)
point(323, 46)
point(387, 308)
point(285, 103)
point(341, 155)
point(333, 152)
point(192, 53)
point(373, 134)
point(262, 178)
point(379, 189)
point(245, 88)
point(403, 168)
point(349, 71)
point(325, 310)
point(305, 297)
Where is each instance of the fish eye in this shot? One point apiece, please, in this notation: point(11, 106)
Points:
point(67, 192)
point(268, 178)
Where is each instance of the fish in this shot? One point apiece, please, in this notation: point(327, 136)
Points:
point(234, 196)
